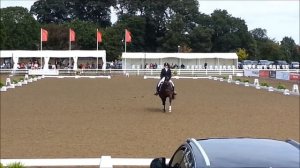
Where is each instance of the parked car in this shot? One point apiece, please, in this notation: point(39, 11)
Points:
point(246, 64)
point(294, 65)
point(264, 64)
point(233, 153)
point(281, 63)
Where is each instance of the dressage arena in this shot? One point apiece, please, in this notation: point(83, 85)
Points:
point(120, 117)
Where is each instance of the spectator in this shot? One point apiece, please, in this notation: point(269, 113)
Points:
point(182, 66)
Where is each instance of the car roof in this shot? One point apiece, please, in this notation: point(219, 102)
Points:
point(249, 152)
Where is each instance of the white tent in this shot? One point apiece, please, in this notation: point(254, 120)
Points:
point(47, 54)
point(193, 60)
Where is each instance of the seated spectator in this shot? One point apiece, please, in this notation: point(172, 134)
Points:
point(182, 66)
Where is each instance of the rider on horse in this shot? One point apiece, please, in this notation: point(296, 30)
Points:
point(165, 74)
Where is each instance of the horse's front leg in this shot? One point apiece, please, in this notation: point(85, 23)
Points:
point(164, 103)
point(170, 105)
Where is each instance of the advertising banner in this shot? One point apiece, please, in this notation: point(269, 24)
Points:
point(251, 72)
point(263, 74)
point(272, 74)
point(295, 76)
point(282, 75)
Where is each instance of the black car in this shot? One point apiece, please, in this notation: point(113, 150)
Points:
point(280, 63)
point(233, 153)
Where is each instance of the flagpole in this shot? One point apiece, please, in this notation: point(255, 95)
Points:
point(41, 47)
point(125, 40)
point(97, 48)
point(69, 47)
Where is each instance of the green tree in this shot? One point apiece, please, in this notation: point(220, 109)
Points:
point(58, 37)
point(114, 36)
point(51, 11)
point(20, 31)
point(259, 34)
point(61, 11)
point(230, 33)
point(270, 50)
point(200, 39)
point(85, 35)
point(242, 54)
point(289, 49)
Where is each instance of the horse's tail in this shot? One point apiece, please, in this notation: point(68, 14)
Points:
point(173, 96)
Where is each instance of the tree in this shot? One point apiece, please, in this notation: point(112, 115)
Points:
point(51, 11)
point(85, 35)
point(20, 31)
point(259, 34)
point(200, 39)
point(114, 36)
point(230, 33)
point(242, 54)
point(270, 50)
point(289, 48)
point(61, 11)
point(58, 37)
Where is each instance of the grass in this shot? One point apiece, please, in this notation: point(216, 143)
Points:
point(264, 84)
point(246, 80)
point(281, 86)
point(13, 165)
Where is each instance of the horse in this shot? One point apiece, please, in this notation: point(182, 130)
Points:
point(166, 91)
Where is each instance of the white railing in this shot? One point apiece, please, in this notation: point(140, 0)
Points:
point(103, 162)
point(148, 72)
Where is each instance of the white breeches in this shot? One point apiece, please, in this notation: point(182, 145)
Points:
point(162, 80)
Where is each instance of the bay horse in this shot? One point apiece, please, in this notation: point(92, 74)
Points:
point(166, 91)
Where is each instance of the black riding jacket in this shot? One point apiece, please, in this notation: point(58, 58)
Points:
point(165, 73)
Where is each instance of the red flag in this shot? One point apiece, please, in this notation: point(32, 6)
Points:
point(99, 36)
point(44, 35)
point(127, 36)
point(72, 35)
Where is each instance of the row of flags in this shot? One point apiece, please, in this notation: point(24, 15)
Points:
point(72, 35)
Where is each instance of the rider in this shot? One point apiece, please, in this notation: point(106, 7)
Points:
point(165, 72)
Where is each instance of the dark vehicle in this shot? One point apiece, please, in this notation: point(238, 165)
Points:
point(246, 64)
point(233, 153)
point(280, 63)
point(294, 65)
point(264, 64)
point(240, 65)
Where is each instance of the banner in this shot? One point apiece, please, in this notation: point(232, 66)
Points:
point(99, 36)
point(282, 75)
point(263, 74)
point(295, 76)
point(272, 74)
point(44, 35)
point(251, 72)
point(127, 36)
point(72, 35)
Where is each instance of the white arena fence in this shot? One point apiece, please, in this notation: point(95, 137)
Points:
point(137, 72)
point(103, 162)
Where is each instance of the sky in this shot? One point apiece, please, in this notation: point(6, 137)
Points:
point(280, 18)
